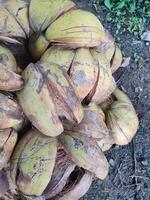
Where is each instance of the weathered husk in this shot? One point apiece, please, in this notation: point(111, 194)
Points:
point(4, 185)
point(106, 143)
point(8, 59)
point(8, 139)
point(23, 125)
point(85, 153)
point(105, 83)
point(80, 65)
point(37, 45)
point(121, 118)
point(33, 198)
point(9, 26)
point(107, 47)
point(33, 162)
point(41, 18)
point(89, 71)
point(78, 189)
point(107, 103)
point(7, 39)
point(92, 125)
point(74, 29)
point(10, 81)
point(49, 89)
point(123, 122)
point(37, 103)
point(59, 56)
point(83, 72)
point(10, 112)
point(62, 170)
point(19, 10)
point(116, 60)
point(67, 104)
point(121, 96)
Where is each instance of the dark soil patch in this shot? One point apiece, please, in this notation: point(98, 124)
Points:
point(129, 173)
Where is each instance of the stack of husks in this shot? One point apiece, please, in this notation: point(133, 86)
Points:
point(67, 100)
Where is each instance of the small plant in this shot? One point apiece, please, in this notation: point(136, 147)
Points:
point(130, 14)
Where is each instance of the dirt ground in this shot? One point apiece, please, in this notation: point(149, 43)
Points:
point(129, 173)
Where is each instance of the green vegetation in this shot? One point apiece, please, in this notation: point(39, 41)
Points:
point(128, 14)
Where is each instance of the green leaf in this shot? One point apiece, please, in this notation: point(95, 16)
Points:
point(108, 17)
point(148, 13)
point(132, 6)
point(120, 5)
point(97, 1)
point(118, 13)
point(108, 4)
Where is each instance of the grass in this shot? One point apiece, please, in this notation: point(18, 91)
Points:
point(128, 14)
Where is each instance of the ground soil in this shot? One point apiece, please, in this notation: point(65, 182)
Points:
point(129, 173)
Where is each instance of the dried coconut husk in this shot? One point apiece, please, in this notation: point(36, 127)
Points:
point(116, 60)
point(8, 139)
point(78, 184)
point(85, 152)
point(62, 170)
point(4, 185)
point(107, 47)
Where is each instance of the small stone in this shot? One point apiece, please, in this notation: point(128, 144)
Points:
point(117, 147)
point(138, 187)
point(144, 162)
point(112, 162)
point(138, 89)
point(126, 62)
point(123, 89)
point(146, 36)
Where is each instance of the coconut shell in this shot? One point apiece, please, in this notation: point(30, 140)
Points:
point(85, 153)
point(92, 125)
point(36, 102)
point(10, 112)
point(49, 11)
point(67, 103)
point(53, 55)
point(83, 72)
point(74, 29)
point(37, 45)
point(9, 26)
point(116, 60)
point(19, 10)
point(105, 83)
point(8, 139)
point(122, 121)
point(9, 80)
point(4, 185)
point(121, 117)
point(63, 168)
point(107, 47)
point(106, 143)
point(8, 59)
point(77, 185)
point(32, 163)
point(78, 189)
